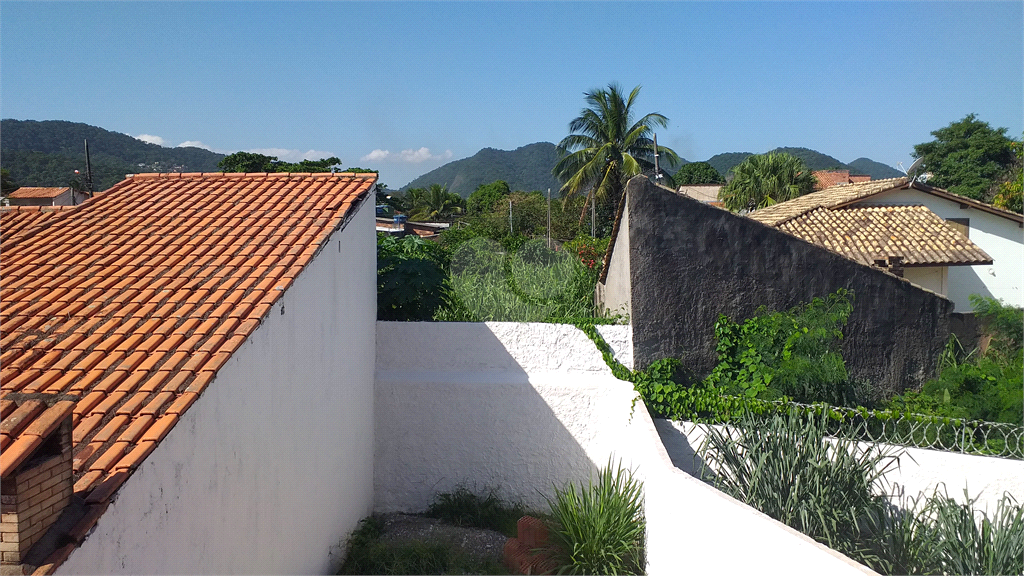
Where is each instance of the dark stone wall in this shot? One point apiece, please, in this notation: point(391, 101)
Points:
point(689, 262)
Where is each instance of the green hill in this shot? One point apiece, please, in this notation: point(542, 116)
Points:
point(876, 170)
point(815, 161)
point(525, 168)
point(47, 153)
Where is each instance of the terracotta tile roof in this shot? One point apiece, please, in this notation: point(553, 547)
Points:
point(828, 198)
point(132, 302)
point(38, 192)
point(16, 221)
point(867, 233)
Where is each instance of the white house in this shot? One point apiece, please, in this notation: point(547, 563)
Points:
point(188, 375)
point(951, 265)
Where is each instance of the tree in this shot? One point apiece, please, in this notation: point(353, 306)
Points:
point(698, 173)
point(252, 162)
point(606, 147)
point(435, 203)
point(486, 196)
point(1009, 194)
point(967, 157)
point(765, 179)
point(7, 185)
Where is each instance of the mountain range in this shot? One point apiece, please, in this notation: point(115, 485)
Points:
point(529, 168)
point(47, 153)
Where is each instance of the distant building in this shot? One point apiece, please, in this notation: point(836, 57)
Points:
point(828, 178)
point(706, 193)
point(44, 196)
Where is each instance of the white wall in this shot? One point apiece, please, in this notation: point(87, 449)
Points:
point(1001, 238)
point(512, 406)
point(917, 470)
point(616, 294)
point(934, 278)
point(520, 407)
point(272, 467)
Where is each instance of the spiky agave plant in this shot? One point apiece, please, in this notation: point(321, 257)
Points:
point(600, 528)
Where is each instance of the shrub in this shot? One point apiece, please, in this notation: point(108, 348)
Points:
point(794, 354)
point(600, 528)
point(411, 278)
point(462, 507)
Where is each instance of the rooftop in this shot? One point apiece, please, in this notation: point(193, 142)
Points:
point(124, 308)
point(865, 234)
point(38, 192)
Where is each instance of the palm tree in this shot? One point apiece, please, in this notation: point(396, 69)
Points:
point(435, 203)
point(606, 147)
point(765, 179)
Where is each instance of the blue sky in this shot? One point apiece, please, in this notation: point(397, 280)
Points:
point(406, 87)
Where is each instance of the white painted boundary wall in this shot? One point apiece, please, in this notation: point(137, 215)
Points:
point(521, 407)
point(272, 467)
point(919, 470)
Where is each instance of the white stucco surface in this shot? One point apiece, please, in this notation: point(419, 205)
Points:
point(1001, 238)
point(272, 467)
point(523, 407)
point(616, 293)
point(917, 470)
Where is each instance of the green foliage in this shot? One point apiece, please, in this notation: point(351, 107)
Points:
point(589, 250)
point(434, 204)
point(7, 184)
point(522, 281)
point(766, 179)
point(606, 146)
point(461, 507)
point(956, 542)
point(967, 157)
point(486, 196)
point(987, 387)
point(411, 279)
point(829, 488)
point(1009, 194)
point(794, 354)
point(788, 468)
point(697, 173)
point(368, 554)
point(600, 528)
point(252, 162)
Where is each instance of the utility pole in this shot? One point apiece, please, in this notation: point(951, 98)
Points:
point(88, 170)
point(593, 216)
point(510, 230)
point(549, 218)
point(657, 168)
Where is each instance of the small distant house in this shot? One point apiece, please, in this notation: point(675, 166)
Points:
point(952, 245)
point(188, 372)
point(42, 196)
point(829, 178)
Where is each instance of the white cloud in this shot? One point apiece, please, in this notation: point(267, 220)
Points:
point(195, 144)
point(409, 156)
point(150, 139)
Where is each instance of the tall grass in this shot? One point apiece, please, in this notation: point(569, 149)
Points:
point(531, 284)
point(786, 467)
point(833, 490)
point(600, 528)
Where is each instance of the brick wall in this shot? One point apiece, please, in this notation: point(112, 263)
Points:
point(33, 497)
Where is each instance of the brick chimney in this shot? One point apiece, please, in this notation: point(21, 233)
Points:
point(35, 469)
